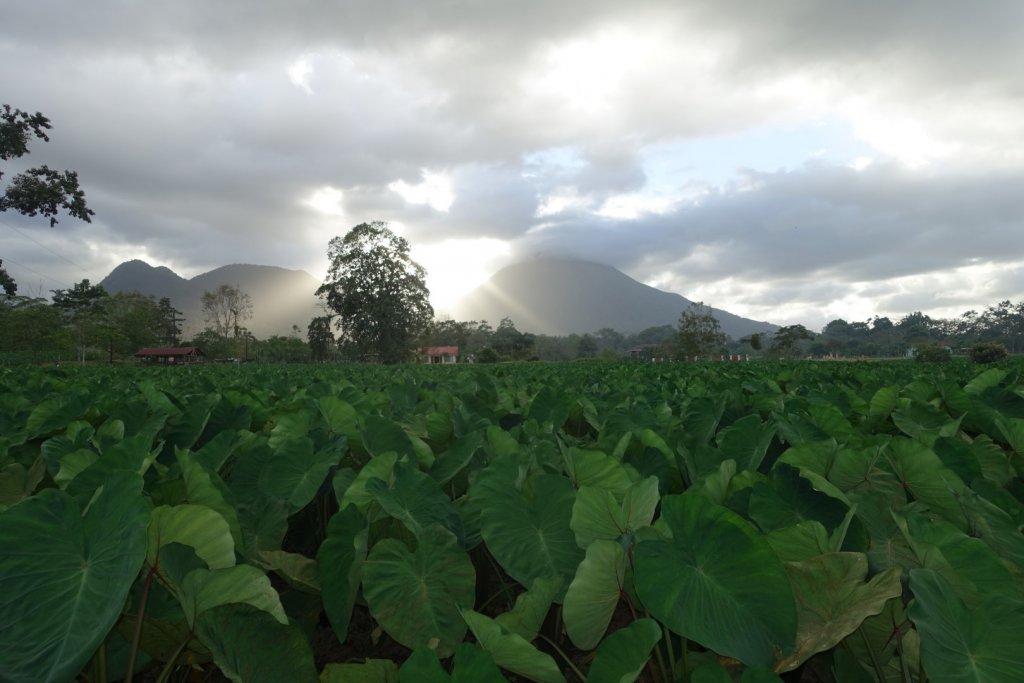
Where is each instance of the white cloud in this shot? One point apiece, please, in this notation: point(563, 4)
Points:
point(435, 190)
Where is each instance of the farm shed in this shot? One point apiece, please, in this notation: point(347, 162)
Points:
point(173, 356)
point(443, 355)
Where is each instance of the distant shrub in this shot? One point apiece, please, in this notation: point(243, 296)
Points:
point(988, 352)
point(931, 353)
point(487, 355)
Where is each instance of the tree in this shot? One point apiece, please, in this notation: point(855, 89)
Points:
point(39, 190)
point(377, 293)
point(699, 333)
point(786, 340)
point(80, 306)
point(225, 309)
point(587, 347)
point(320, 338)
point(169, 323)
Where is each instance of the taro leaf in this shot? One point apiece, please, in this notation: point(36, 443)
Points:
point(18, 483)
point(928, 480)
point(339, 560)
point(718, 582)
point(54, 414)
point(623, 654)
point(183, 430)
point(204, 589)
point(594, 468)
point(746, 441)
point(382, 435)
point(381, 467)
point(759, 674)
point(205, 488)
point(470, 665)
point(417, 501)
point(298, 570)
point(459, 454)
point(66, 576)
point(531, 538)
point(510, 651)
point(788, 499)
point(531, 608)
point(416, 596)
point(132, 454)
point(958, 644)
point(250, 646)
point(264, 524)
point(973, 570)
point(423, 666)
point(594, 593)
point(296, 471)
point(833, 600)
point(711, 672)
point(196, 526)
point(799, 542)
point(340, 416)
point(370, 671)
point(550, 406)
point(598, 514)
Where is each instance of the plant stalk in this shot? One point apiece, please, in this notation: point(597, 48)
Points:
point(137, 634)
point(563, 656)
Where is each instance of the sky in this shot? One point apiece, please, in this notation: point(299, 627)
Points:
point(794, 161)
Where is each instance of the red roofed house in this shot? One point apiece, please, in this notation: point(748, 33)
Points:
point(444, 355)
point(175, 355)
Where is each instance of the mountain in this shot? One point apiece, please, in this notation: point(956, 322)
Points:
point(280, 297)
point(561, 297)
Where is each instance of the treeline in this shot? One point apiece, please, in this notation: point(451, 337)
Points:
point(1002, 323)
point(88, 324)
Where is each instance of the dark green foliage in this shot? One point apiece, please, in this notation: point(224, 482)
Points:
point(377, 293)
point(988, 352)
point(666, 521)
point(931, 353)
point(698, 332)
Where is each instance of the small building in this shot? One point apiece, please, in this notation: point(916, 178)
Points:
point(441, 355)
point(179, 355)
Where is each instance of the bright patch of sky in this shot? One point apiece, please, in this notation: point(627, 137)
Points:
point(456, 266)
point(435, 190)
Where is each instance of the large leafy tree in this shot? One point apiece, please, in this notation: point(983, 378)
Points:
point(699, 332)
point(38, 190)
point(377, 293)
point(226, 309)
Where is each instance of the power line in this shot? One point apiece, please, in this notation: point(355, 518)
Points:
point(58, 255)
point(8, 261)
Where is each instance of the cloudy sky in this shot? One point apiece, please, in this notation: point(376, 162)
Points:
point(790, 161)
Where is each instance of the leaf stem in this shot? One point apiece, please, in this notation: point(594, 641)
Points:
point(871, 652)
point(563, 656)
point(165, 673)
point(137, 635)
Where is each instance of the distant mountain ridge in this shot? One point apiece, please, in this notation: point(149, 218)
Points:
point(564, 296)
point(280, 297)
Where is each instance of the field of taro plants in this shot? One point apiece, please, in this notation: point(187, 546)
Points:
point(752, 522)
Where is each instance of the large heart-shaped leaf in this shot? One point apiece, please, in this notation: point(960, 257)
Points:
point(250, 646)
point(594, 593)
point(623, 654)
point(417, 501)
point(66, 576)
point(339, 560)
point(531, 538)
point(833, 599)
point(416, 596)
point(511, 651)
point(470, 665)
point(718, 582)
point(296, 470)
point(958, 644)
